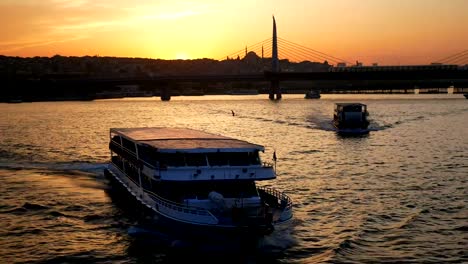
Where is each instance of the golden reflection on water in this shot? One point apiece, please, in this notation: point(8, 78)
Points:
point(376, 198)
point(53, 213)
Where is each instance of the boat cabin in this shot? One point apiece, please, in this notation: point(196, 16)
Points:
point(350, 115)
point(187, 155)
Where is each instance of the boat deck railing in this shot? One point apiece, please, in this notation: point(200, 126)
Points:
point(285, 201)
point(178, 206)
point(170, 205)
point(123, 151)
point(151, 166)
point(130, 155)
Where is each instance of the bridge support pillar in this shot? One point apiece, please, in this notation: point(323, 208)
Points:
point(275, 90)
point(165, 93)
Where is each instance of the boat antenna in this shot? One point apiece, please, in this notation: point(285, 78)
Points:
point(274, 158)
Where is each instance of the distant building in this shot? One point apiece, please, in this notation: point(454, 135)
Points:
point(251, 58)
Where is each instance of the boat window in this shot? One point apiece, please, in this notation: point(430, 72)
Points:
point(233, 158)
point(180, 159)
point(128, 144)
point(353, 108)
point(124, 154)
point(116, 139)
point(201, 190)
point(195, 159)
point(254, 158)
point(172, 159)
point(131, 171)
point(239, 159)
point(237, 189)
point(218, 159)
point(148, 154)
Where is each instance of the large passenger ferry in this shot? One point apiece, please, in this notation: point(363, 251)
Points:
point(197, 183)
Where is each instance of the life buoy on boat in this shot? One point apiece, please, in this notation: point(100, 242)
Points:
point(217, 199)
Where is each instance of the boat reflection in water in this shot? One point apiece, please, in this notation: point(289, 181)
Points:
point(197, 185)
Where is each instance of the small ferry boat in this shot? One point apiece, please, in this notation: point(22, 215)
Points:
point(351, 118)
point(312, 94)
point(197, 183)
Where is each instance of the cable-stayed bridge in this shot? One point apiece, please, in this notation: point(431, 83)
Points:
point(287, 50)
point(276, 60)
point(445, 72)
point(294, 52)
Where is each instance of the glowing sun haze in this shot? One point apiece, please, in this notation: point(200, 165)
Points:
point(383, 31)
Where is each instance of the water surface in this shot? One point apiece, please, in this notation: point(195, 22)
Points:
point(398, 194)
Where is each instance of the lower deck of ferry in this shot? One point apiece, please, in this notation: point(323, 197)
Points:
point(154, 223)
point(232, 221)
point(231, 202)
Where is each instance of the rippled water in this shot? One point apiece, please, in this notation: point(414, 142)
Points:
point(398, 194)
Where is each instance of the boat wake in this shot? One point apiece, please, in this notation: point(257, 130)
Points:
point(78, 166)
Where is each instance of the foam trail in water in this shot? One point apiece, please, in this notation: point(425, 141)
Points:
point(66, 166)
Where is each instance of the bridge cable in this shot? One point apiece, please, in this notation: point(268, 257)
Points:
point(310, 55)
point(312, 50)
point(459, 59)
point(298, 56)
point(452, 57)
point(242, 51)
point(306, 53)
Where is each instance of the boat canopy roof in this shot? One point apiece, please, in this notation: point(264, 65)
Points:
point(346, 104)
point(350, 107)
point(184, 140)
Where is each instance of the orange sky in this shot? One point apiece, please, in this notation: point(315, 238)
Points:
point(383, 31)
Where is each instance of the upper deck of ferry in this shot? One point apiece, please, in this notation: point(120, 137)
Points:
point(180, 154)
point(350, 104)
point(183, 140)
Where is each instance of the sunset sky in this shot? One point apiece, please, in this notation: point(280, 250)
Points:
point(384, 31)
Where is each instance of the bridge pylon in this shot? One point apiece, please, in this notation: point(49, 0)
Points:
point(165, 92)
point(275, 67)
point(275, 89)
